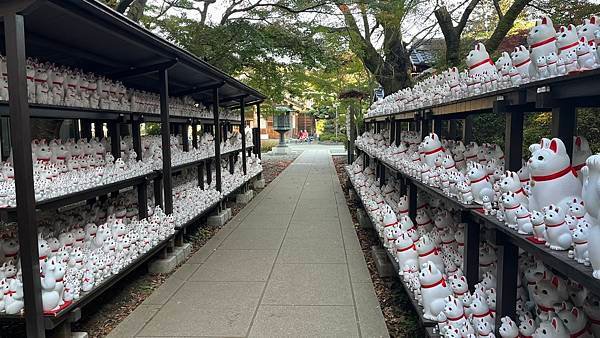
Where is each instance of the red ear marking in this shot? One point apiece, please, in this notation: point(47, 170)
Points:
point(593, 20)
point(554, 324)
point(575, 312)
point(562, 29)
point(554, 146)
point(429, 267)
point(582, 39)
point(578, 141)
point(591, 43)
point(544, 20)
point(555, 281)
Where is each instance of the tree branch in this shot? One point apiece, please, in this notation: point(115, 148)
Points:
point(361, 47)
point(365, 19)
point(505, 24)
point(122, 6)
point(498, 9)
point(465, 16)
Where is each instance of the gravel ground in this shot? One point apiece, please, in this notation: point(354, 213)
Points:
point(399, 314)
point(107, 311)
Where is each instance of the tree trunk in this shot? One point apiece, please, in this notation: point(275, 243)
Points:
point(136, 10)
point(395, 73)
point(451, 36)
point(505, 25)
point(453, 51)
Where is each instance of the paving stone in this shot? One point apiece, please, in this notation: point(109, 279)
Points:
point(257, 219)
point(134, 322)
point(254, 239)
point(308, 231)
point(359, 273)
point(370, 319)
point(304, 321)
point(308, 284)
point(236, 265)
point(310, 217)
point(207, 308)
point(295, 245)
point(161, 295)
point(315, 250)
point(185, 271)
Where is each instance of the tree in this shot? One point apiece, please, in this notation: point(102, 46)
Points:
point(362, 25)
point(452, 34)
point(391, 66)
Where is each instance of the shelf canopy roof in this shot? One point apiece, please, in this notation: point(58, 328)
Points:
point(89, 35)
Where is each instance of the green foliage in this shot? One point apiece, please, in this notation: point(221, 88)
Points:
point(588, 125)
point(564, 12)
point(488, 128)
point(151, 128)
point(282, 57)
point(330, 137)
point(267, 145)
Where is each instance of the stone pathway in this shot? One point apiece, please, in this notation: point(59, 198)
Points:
point(289, 264)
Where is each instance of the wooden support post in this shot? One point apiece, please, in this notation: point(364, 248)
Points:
point(14, 36)
point(217, 126)
point(195, 134)
point(166, 140)
point(438, 127)
point(352, 134)
point(243, 132)
point(115, 138)
point(258, 141)
point(158, 192)
point(425, 128)
point(231, 157)
point(453, 130)
point(208, 167)
point(564, 118)
point(99, 129)
point(467, 135)
point(398, 130)
point(142, 190)
point(471, 250)
point(201, 176)
point(508, 266)
point(412, 199)
point(392, 130)
point(185, 136)
point(513, 139)
point(86, 129)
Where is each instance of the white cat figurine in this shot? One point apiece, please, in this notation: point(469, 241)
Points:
point(558, 234)
point(542, 41)
point(434, 290)
point(553, 180)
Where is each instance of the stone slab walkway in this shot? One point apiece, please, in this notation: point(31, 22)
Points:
point(289, 264)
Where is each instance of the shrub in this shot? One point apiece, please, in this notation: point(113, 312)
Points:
point(267, 145)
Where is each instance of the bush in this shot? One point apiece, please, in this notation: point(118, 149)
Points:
point(326, 136)
point(267, 145)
